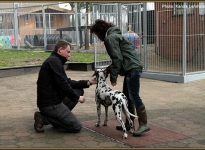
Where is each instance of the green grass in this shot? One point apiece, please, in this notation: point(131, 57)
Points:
point(12, 58)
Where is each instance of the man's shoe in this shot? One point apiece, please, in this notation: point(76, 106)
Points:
point(142, 128)
point(39, 122)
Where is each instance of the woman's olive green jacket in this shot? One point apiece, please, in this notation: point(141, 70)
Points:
point(122, 53)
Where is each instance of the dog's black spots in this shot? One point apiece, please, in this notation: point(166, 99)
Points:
point(117, 92)
point(119, 106)
point(110, 94)
point(123, 95)
point(114, 106)
point(117, 101)
point(125, 98)
point(98, 96)
point(106, 96)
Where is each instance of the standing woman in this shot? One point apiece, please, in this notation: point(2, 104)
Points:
point(125, 62)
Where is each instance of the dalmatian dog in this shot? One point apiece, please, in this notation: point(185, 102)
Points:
point(105, 96)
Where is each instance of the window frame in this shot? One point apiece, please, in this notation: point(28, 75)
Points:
point(39, 21)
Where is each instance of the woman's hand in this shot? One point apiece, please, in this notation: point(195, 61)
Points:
point(113, 84)
point(105, 72)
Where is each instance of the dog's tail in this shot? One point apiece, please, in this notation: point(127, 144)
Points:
point(130, 113)
point(125, 108)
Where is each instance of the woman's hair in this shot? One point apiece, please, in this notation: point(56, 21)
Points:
point(100, 27)
point(61, 43)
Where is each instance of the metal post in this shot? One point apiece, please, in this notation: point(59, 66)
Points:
point(76, 27)
point(109, 11)
point(44, 27)
point(49, 19)
point(116, 7)
point(136, 12)
point(140, 28)
point(119, 16)
point(94, 42)
point(103, 12)
point(184, 41)
point(145, 34)
point(16, 25)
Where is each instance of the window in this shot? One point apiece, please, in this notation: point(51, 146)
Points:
point(27, 17)
point(179, 8)
point(39, 21)
point(51, 21)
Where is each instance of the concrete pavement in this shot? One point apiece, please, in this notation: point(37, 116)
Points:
point(175, 106)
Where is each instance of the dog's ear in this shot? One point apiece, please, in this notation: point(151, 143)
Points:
point(95, 73)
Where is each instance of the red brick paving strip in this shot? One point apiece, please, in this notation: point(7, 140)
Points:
point(155, 136)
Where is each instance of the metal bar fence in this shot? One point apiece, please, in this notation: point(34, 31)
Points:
point(170, 40)
point(34, 21)
point(169, 43)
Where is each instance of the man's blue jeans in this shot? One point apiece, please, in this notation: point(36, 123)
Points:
point(131, 88)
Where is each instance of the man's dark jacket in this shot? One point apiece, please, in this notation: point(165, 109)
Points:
point(53, 84)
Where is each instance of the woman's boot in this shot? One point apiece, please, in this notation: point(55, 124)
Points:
point(143, 125)
point(131, 109)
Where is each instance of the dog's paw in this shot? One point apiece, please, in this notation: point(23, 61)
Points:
point(105, 124)
point(97, 125)
point(125, 136)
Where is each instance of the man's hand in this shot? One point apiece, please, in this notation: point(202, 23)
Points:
point(93, 80)
point(81, 99)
